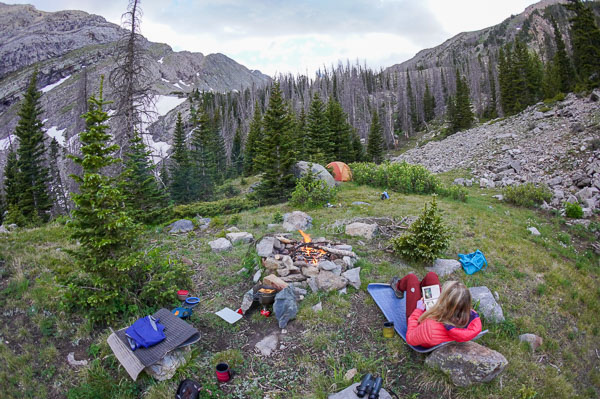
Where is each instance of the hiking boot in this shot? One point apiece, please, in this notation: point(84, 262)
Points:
point(394, 285)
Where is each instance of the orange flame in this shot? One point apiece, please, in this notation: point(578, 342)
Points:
point(305, 236)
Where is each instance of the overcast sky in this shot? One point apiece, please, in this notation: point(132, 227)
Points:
point(299, 36)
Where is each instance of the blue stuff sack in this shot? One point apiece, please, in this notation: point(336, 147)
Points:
point(473, 262)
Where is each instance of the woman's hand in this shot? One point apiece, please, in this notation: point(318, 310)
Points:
point(421, 304)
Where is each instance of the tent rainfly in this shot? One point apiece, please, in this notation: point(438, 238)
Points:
point(340, 171)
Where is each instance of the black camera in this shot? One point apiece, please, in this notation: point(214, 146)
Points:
point(369, 385)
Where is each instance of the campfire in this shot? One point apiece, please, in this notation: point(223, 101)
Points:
point(320, 264)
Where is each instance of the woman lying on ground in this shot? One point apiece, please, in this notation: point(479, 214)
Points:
point(450, 319)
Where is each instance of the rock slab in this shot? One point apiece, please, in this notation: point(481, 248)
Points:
point(353, 276)
point(242, 237)
point(220, 245)
point(444, 267)
point(296, 220)
point(348, 393)
point(301, 169)
point(488, 307)
point(165, 368)
point(265, 247)
point(359, 229)
point(467, 363)
point(268, 344)
point(533, 340)
point(181, 226)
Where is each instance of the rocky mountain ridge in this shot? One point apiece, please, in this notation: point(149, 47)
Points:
point(558, 146)
point(71, 50)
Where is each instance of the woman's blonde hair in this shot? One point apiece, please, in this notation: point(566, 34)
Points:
point(453, 306)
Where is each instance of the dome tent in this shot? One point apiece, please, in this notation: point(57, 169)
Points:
point(340, 171)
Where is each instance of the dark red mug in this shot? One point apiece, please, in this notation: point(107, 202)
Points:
point(223, 373)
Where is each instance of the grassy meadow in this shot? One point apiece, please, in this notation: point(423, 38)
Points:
point(547, 285)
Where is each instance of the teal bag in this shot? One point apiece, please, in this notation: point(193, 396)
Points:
point(473, 262)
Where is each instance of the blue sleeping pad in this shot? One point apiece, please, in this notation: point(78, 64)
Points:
point(394, 309)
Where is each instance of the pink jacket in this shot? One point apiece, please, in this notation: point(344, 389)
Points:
point(430, 332)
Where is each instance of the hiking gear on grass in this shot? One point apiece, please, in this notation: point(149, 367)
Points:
point(188, 389)
point(394, 284)
point(473, 262)
point(340, 171)
point(393, 310)
point(431, 333)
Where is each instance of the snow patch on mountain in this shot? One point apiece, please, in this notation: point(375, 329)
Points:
point(158, 149)
point(46, 89)
point(57, 134)
point(164, 104)
point(5, 143)
point(161, 60)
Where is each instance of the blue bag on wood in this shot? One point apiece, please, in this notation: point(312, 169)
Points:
point(473, 262)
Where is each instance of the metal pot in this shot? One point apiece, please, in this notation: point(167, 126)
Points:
point(266, 298)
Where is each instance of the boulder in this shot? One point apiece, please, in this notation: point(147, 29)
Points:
point(310, 271)
point(220, 245)
point(265, 247)
point(533, 340)
point(301, 169)
point(535, 232)
point(359, 229)
point(586, 194)
point(271, 264)
point(166, 367)
point(296, 220)
point(327, 281)
point(247, 300)
point(4, 230)
point(203, 223)
point(488, 307)
point(444, 267)
point(242, 237)
point(467, 363)
point(486, 183)
point(285, 306)
point(360, 203)
point(459, 181)
point(353, 276)
point(268, 344)
point(181, 226)
point(330, 267)
point(349, 261)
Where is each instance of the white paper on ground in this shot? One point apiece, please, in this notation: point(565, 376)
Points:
point(228, 315)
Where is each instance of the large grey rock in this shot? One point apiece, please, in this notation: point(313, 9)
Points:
point(301, 169)
point(166, 367)
point(488, 307)
point(285, 306)
point(296, 220)
point(533, 340)
point(220, 245)
point(467, 363)
point(242, 237)
point(349, 393)
point(358, 229)
point(327, 281)
point(268, 344)
point(330, 267)
point(181, 226)
point(265, 247)
point(247, 300)
point(353, 276)
point(444, 267)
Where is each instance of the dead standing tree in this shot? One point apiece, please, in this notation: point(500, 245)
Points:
point(131, 78)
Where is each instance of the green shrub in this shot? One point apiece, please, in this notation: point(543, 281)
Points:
point(456, 192)
point(400, 177)
point(311, 192)
point(221, 207)
point(227, 191)
point(573, 211)
point(277, 217)
point(426, 238)
point(527, 195)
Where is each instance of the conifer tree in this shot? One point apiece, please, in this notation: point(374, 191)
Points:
point(375, 143)
point(163, 176)
point(180, 186)
point(34, 199)
point(203, 158)
point(100, 223)
point(460, 114)
point(217, 148)
point(253, 143)
point(301, 138)
point(11, 189)
point(412, 104)
point(561, 61)
point(428, 104)
point(58, 192)
point(490, 111)
point(144, 200)
point(585, 41)
point(340, 132)
point(317, 128)
point(237, 156)
point(277, 156)
point(358, 150)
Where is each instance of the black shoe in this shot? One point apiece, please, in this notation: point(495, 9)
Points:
point(394, 285)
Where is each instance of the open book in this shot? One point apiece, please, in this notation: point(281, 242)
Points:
point(431, 293)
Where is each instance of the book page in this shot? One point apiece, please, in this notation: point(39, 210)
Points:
point(431, 294)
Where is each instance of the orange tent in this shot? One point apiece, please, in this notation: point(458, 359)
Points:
point(341, 171)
